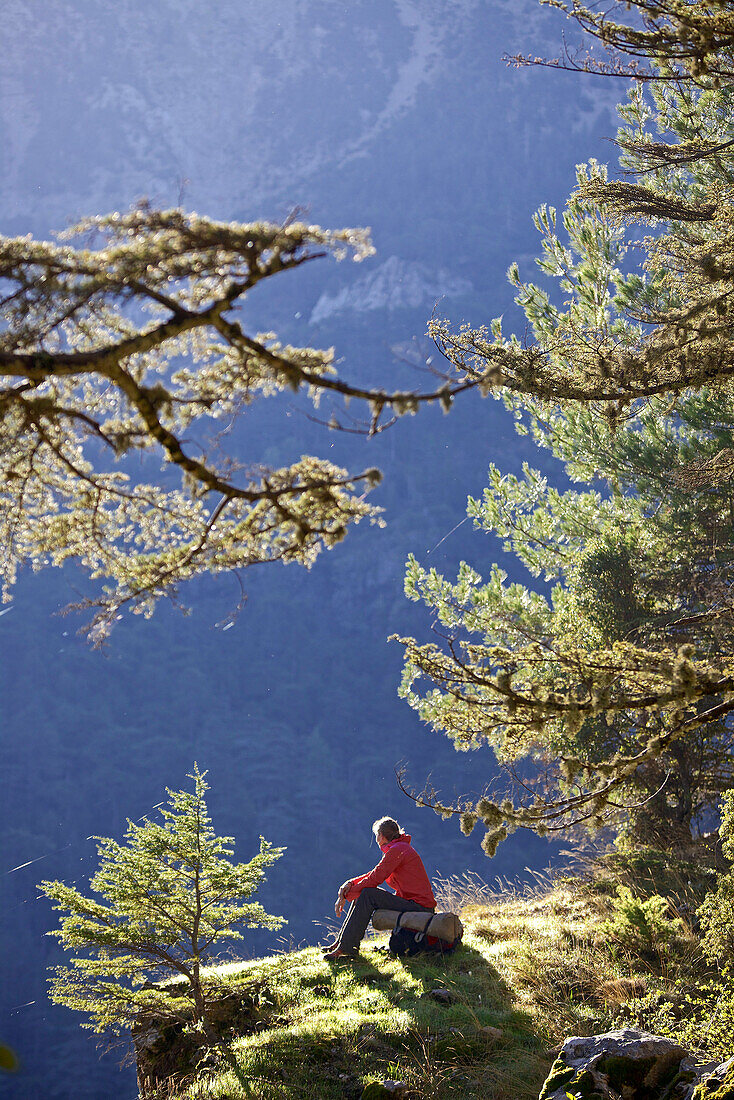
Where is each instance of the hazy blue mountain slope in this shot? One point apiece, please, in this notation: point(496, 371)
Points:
point(248, 106)
point(399, 115)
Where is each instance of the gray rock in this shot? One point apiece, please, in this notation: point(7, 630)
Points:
point(492, 1032)
point(384, 1090)
point(443, 996)
point(618, 1063)
point(715, 1082)
point(627, 1042)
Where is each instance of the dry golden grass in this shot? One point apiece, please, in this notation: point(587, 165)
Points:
point(544, 943)
point(620, 991)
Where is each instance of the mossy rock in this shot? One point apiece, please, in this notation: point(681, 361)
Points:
point(375, 1091)
point(627, 1071)
point(621, 1072)
point(680, 1085)
point(719, 1086)
point(584, 1085)
point(560, 1074)
point(574, 1082)
point(577, 1082)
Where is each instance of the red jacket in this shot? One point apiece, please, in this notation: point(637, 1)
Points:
point(401, 868)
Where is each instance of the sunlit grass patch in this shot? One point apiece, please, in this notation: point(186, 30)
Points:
point(344, 1026)
point(534, 967)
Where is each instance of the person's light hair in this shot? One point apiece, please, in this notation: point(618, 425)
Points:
point(388, 827)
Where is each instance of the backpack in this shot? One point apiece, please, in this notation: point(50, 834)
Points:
point(406, 941)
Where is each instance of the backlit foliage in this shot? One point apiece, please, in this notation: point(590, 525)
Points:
point(617, 682)
point(688, 40)
point(163, 903)
point(129, 344)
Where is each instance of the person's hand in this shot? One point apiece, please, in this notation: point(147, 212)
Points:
point(341, 898)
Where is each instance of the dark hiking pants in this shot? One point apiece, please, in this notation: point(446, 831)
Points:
point(361, 910)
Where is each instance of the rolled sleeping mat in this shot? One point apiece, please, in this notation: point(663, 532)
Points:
point(444, 926)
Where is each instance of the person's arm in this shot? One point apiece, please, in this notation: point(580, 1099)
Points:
point(391, 859)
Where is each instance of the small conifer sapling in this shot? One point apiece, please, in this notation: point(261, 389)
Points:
point(165, 899)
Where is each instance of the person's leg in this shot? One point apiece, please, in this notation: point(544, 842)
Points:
point(402, 905)
point(334, 944)
point(358, 917)
point(360, 914)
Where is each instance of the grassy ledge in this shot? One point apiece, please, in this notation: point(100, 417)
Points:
point(535, 967)
point(336, 1028)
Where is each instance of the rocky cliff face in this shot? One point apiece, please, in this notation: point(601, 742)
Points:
point(394, 284)
point(245, 105)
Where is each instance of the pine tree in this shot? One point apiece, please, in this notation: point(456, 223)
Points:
point(626, 336)
point(717, 912)
point(619, 685)
point(170, 897)
point(602, 679)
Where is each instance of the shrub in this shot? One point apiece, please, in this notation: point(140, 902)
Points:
point(169, 896)
point(643, 925)
point(717, 912)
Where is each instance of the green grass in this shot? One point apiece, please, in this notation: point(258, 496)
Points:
point(336, 1028)
point(534, 966)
